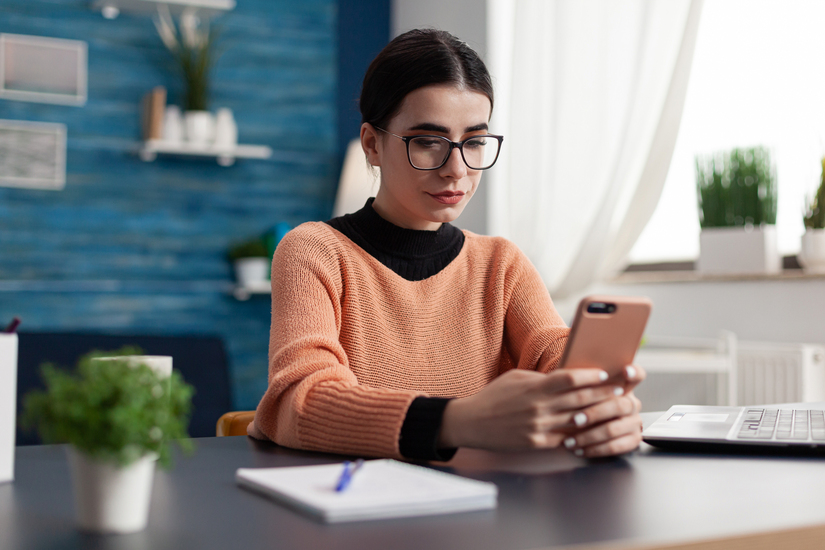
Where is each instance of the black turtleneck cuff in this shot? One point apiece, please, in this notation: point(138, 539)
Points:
point(422, 425)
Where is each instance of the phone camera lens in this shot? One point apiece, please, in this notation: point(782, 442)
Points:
point(601, 307)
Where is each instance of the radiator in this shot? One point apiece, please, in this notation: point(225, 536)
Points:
point(688, 372)
point(780, 373)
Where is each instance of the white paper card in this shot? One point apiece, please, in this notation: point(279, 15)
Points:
point(8, 404)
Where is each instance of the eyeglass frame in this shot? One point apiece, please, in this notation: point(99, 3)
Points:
point(453, 145)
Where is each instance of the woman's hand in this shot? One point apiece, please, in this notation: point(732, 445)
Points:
point(613, 426)
point(529, 410)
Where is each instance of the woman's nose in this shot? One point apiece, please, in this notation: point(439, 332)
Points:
point(454, 167)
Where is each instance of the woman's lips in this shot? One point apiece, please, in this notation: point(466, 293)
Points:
point(447, 197)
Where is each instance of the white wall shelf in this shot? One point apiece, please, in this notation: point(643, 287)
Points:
point(206, 8)
point(225, 157)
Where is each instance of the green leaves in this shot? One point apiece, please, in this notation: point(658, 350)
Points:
point(736, 188)
point(814, 217)
point(111, 410)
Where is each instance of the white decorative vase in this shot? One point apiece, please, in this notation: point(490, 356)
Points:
point(200, 128)
point(8, 398)
point(740, 250)
point(111, 498)
point(251, 271)
point(172, 125)
point(226, 131)
point(812, 253)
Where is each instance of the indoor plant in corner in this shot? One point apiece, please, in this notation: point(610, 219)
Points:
point(119, 418)
point(737, 212)
point(812, 253)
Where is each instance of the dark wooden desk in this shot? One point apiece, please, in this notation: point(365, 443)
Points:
point(547, 500)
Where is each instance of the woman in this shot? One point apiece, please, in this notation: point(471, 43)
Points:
point(395, 333)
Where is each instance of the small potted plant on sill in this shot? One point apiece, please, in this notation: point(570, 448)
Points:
point(251, 262)
point(812, 252)
point(119, 417)
point(737, 212)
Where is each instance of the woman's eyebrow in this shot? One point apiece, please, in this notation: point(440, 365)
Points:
point(430, 127)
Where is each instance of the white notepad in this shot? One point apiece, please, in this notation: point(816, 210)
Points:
point(380, 489)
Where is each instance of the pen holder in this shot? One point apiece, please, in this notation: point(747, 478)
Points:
point(8, 404)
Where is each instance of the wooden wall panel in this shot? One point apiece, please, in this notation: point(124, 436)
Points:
point(134, 247)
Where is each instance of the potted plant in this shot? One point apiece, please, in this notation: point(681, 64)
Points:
point(251, 261)
point(812, 253)
point(119, 418)
point(737, 212)
point(194, 54)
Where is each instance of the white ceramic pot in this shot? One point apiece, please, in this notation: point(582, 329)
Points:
point(172, 125)
point(739, 250)
point(110, 498)
point(250, 271)
point(8, 397)
point(226, 131)
point(200, 128)
point(812, 252)
point(161, 364)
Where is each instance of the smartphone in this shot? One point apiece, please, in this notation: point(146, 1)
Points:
point(606, 333)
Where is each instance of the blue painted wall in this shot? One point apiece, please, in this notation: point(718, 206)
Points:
point(363, 31)
point(134, 247)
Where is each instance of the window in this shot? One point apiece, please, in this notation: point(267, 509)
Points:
point(758, 78)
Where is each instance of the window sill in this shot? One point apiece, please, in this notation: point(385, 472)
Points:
point(690, 276)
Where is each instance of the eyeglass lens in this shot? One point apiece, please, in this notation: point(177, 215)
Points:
point(431, 152)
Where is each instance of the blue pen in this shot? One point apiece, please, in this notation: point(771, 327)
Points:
point(346, 476)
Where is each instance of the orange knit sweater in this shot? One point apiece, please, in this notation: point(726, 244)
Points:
point(353, 343)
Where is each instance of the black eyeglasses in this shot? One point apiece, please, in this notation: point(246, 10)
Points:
point(432, 152)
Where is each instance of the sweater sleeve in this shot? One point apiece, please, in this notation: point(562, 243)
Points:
point(535, 333)
point(314, 400)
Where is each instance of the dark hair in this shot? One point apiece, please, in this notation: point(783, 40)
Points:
point(418, 58)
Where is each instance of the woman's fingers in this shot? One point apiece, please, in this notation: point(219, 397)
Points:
point(633, 376)
point(617, 446)
point(568, 379)
point(585, 397)
point(600, 435)
point(608, 409)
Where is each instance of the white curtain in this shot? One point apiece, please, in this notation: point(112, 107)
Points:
point(589, 96)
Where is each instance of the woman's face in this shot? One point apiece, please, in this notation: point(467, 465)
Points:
point(419, 199)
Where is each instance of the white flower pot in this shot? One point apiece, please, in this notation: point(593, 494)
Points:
point(249, 271)
point(110, 498)
point(226, 131)
point(200, 128)
point(812, 252)
point(172, 125)
point(8, 398)
point(739, 250)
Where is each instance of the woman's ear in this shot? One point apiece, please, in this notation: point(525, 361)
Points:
point(371, 144)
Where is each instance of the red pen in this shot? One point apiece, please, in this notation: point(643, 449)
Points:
point(13, 325)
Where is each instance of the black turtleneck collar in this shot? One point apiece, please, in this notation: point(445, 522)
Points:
point(412, 254)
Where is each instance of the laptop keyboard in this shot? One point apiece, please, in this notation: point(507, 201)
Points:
point(780, 424)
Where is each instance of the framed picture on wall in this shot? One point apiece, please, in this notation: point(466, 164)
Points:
point(32, 154)
point(46, 70)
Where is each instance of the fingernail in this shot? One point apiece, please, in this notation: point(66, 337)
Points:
point(578, 452)
point(580, 419)
point(602, 376)
point(570, 442)
point(630, 370)
point(618, 390)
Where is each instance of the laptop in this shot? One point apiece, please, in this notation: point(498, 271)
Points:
point(776, 429)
